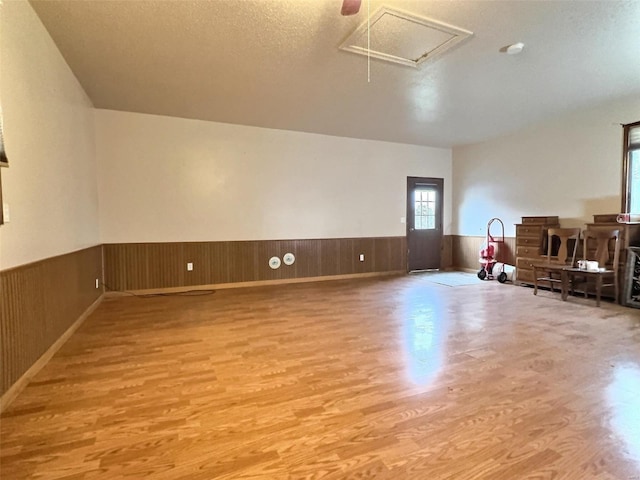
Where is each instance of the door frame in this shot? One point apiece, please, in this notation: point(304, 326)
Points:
point(439, 183)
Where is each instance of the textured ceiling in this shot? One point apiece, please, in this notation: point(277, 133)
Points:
point(276, 63)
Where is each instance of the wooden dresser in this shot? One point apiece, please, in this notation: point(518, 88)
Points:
point(531, 245)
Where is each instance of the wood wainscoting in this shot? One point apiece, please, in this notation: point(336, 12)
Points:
point(446, 261)
point(39, 303)
point(466, 251)
point(147, 266)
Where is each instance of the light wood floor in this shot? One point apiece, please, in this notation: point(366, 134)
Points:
point(397, 378)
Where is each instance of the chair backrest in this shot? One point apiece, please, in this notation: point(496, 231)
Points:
point(563, 235)
point(603, 237)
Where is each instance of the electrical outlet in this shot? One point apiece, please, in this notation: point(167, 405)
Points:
point(97, 283)
point(189, 267)
point(362, 257)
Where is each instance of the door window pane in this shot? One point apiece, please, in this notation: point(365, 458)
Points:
point(425, 209)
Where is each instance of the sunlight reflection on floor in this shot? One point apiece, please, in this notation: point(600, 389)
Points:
point(423, 339)
point(623, 397)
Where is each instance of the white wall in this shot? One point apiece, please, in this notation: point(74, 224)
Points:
point(51, 185)
point(570, 166)
point(170, 179)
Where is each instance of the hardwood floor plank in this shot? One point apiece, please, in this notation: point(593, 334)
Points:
point(394, 378)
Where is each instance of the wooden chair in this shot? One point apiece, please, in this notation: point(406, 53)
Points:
point(551, 269)
point(608, 258)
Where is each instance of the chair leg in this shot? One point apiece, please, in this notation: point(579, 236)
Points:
point(535, 281)
point(616, 288)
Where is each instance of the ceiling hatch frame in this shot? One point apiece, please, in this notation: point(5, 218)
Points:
point(458, 35)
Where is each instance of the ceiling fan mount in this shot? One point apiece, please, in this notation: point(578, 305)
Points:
point(350, 7)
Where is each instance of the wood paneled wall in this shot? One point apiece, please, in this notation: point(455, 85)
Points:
point(446, 261)
point(39, 302)
point(142, 266)
point(466, 251)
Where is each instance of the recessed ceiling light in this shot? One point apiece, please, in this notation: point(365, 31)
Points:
point(515, 48)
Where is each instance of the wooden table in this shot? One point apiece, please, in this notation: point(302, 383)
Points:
point(566, 272)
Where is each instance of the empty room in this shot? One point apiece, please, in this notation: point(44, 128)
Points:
point(319, 239)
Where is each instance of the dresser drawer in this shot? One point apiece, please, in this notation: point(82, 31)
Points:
point(529, 231)
point(606, 218)
point(553, 220)
point(524, 275)
point(532, 242)
point(527, 251)
point(526, 262)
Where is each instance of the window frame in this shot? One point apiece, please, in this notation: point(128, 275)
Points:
point(429, 190)
point(626, 156)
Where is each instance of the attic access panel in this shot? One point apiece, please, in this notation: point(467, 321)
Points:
point(404, 38)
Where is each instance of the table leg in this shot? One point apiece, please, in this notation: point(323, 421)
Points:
point(564, 284)
point(598, 289)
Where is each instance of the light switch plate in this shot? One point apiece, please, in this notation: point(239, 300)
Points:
point(6, 213)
